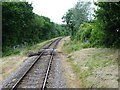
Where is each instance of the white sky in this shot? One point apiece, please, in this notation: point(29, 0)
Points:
point(54, 9)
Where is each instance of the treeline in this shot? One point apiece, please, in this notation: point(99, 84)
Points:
point(21, 27)
point(101, 31)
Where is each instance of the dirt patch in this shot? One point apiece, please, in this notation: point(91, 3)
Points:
point(71, 78)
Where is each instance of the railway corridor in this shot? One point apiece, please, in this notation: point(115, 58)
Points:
point(41, 71)
point(62, 74)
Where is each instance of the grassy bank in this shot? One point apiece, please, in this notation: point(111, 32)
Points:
point(95, 67)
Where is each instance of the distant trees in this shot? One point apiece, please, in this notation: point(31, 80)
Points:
point(20, 26)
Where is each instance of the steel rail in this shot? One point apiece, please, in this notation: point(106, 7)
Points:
point(49, 66)
point(36, 59)
point(16, 84)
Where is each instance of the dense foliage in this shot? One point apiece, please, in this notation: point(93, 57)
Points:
point(102, 31)
point(21, 27)
point(109, 17)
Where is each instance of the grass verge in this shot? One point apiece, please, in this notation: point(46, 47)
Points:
point(86, 62)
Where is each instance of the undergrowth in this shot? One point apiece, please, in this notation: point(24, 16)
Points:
point(23, 51)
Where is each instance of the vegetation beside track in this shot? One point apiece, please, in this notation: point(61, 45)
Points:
point(94, 46)
point(95, 67)
point(98, 36)
point(99, 30)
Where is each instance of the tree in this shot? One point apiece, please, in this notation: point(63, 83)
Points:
point(16, 17)
point(108, 14)
point(77, 16)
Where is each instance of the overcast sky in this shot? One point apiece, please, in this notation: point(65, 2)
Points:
point(54, 9)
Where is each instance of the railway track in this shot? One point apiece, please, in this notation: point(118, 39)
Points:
point(37, 74)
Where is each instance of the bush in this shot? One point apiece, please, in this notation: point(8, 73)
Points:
point(90, 34)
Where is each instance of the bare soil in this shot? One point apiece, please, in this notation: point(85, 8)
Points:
point(71, 78)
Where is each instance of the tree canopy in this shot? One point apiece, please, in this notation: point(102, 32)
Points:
point(108, 15)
